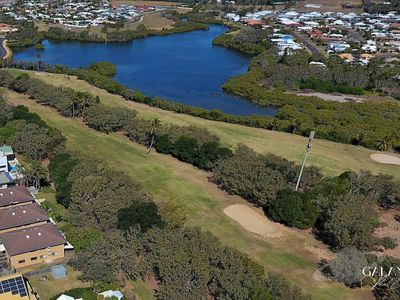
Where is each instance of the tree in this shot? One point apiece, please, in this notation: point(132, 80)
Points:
point(107, 119)
point(384, 143)
point(60, 168)
point(140, 213)
point(5, 112)
point(98, 194)
point(351, 222)
point(280, 288)
point(31, 140)
point(104, 68)
point(154, 125)
point(248, 174)
point(293, 209)
point(34, 173)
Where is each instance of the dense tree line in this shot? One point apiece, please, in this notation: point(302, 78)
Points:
point(265, 180)
point(117, 228)
point(27, 133)
point(111, 86)
point(32, 138)
point(29, 35)
point(137, 239)
point(189, 144)
point(26, 36)
point(373, 125)
point(293, 71)
point(342, 209)
point(249, 40)
point(69, 102)
point(374, 7)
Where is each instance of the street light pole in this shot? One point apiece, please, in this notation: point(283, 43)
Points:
point(308, 149)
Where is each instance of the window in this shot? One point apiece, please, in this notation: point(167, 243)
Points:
point(54, 253)
point(21, 261)
point(42, 256)
point(34, 258)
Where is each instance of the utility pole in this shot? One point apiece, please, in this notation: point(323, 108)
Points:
point(308, 149)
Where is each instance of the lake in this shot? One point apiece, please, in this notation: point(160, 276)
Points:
point(183, 67)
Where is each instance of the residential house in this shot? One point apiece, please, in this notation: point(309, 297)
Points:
point(14, 196)
point(33, 245)
point(14, 287)
point(3, 162)
point(22, 216)
point(6, 180)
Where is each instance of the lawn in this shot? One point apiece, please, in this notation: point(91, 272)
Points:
point(49, 288)
point(167, 179)
point(332, 158)
point(142, 290)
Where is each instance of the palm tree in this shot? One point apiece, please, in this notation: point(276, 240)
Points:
point(154, 125)
point(383, 144)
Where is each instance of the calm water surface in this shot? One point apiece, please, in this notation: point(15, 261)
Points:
point(184, 68)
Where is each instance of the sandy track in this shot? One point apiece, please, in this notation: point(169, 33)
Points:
point(386, 159)
point(252, 221)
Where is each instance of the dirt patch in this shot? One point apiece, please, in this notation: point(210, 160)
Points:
point(392, 229)
point(385, 159)
point(253, 221)
point(331, 97)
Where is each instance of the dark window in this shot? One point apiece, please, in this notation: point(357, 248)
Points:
point(34, 258)
point(21, 261)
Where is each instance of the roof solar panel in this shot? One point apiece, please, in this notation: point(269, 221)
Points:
point(13, 285)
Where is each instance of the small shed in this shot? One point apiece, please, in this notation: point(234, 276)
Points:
point(110, 294)
point(58, 271)
point(65, 297)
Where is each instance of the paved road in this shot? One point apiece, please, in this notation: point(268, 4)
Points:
point(306, 42)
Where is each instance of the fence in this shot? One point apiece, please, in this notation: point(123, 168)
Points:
point(37, 272)
point(7, 272)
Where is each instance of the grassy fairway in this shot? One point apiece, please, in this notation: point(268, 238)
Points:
point(167, 179)
point(332, 158)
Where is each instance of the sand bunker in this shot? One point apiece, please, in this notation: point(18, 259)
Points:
point(386, 159)
point(252, 221)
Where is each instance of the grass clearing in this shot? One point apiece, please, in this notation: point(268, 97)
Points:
point(332, 158)
point(142, 290)
point(167, 179)
point(50, 287)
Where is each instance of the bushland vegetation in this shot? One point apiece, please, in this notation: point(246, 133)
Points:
point(366, 124)
point(264, 180)
point(343, 211)
point(248, 40)
point(121, 234)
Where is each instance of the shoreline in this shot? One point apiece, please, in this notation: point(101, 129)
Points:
point(7, 50)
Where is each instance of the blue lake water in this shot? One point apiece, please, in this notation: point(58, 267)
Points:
point(184, 67)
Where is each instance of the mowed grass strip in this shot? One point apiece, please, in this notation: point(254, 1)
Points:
point(332, 158)
point(167, 179)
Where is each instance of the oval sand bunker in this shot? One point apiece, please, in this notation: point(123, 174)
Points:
point(385, 159)
point(252, 220)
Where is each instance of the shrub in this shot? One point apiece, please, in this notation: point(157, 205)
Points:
point(104, 68)
point(293, 209)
